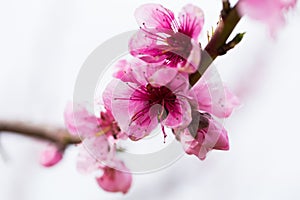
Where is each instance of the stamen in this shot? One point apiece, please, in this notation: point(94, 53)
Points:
point(163, 130)
point(162, 111)
point(134, 88)
point(133, 99)
point(103, 131)
point(139, 114)
point(171, 21)
point(156, 36)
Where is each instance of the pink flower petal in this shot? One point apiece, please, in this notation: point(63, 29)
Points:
point(50, 156)
point(191, 20)
point(141, 71)
point(154, 16)
point(108, 92)
point(200, 92)
point(98, 147)
point(231, 102)
point(80, 122)
point(123, 71)
point(213, 97)
point(120, 96)
point(162, 76)
point(137, 131)
point(222, 143)
point(145, 46)
point(115, 180)
point(179, 84)
point(134, 71)
point(143, 118)
point(179, 116)
point(86, 163)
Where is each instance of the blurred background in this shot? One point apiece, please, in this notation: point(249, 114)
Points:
point(42, 47)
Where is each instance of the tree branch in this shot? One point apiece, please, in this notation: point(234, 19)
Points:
point(230, 18)
point(59, 136)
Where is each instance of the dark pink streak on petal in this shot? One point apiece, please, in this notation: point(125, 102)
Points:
point(191, 20)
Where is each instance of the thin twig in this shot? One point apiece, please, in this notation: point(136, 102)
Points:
point(59, 136)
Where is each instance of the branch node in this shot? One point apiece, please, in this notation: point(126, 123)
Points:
point(230, 45)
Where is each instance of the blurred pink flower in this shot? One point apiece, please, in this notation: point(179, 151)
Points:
point(203, 135)
point(115, 180)
point(80, 122)
point(99, 137)
point(270, 12)
point(115, 177)
point(109, 126)
point(155, 95)
point(86, 161)
point(50, 156)
point(162, 38)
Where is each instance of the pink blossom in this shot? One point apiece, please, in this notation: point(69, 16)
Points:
point(115, 180)
point(270, 12)
point(50, 156)
point(203, 135)
point(163, 39)
point(156, 95)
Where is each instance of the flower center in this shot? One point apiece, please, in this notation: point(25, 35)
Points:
point(160, 95)
point(108, 125)
point(144, 101)
point(154, 96)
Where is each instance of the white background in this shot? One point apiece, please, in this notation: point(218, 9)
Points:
point(43, 44)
